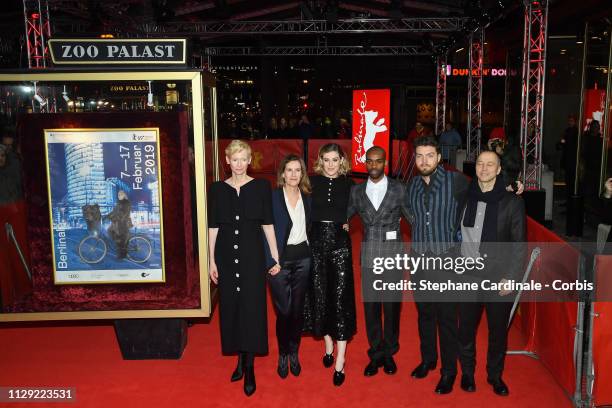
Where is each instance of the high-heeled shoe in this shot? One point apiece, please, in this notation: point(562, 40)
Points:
point(328, 359)
point(339, 377)
point(249, 381)
point(238, 372)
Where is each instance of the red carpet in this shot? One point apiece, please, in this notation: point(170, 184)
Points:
point(85, 355)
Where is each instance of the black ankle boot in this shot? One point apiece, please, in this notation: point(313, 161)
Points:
point(238, 372)
point(249, 380)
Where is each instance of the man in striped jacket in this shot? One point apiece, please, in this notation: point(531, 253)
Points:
point(433, 198)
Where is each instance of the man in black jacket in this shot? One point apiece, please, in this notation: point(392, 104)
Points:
point(492, 222)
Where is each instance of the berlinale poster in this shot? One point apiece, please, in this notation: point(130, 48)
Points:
point(371, 125)
point(105, 205)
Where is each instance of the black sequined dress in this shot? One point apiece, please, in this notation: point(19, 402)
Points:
point(330, 300)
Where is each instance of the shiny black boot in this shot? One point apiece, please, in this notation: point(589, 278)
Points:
point(249, 377)
point(238, 372)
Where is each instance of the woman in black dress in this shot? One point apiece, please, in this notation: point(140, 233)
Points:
point(291, 208)
point(330, 310)
point(239, 209)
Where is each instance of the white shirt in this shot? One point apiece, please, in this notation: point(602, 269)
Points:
point(297, 235)
point(376, 191)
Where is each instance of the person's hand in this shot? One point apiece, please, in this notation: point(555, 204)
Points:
point(504, 292)
point(274, 270)
point(345, 227)
point(608, 188)
point(520, 187)
point(213, 273)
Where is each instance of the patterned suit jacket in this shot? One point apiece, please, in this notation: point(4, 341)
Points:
point(376, 224)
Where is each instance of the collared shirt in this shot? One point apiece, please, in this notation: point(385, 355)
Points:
point(376, 191)
point(471, 236)
point(297, 235)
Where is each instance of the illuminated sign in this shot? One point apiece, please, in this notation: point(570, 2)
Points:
point(371, 122)
point(96, 51)
point(494, 72)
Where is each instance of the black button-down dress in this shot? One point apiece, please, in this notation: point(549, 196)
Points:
point(240, 258)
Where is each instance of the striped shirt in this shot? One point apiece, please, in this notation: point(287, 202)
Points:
point(434, 209)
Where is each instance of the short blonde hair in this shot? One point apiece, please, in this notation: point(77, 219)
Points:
point(345, 166)
point(236, 146)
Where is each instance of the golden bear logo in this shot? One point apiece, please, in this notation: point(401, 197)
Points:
point(256, 160)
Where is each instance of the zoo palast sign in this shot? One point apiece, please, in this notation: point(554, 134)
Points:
point(95, 51)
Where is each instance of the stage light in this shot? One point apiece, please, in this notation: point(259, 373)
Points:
point(150, 95)
point(26, 89)
point(65, 95)
point(42, 101)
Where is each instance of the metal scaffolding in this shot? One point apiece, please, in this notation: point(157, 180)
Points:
point(474, 119)
point(356, 51)
point(533, 81)
point(507, 94)
point(358, 26)
point(440, 94)
point(37, 30)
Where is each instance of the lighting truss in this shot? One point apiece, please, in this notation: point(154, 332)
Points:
point(405, 25)
point(37, 30)
point(474, 119)
point(380, 50)
point(440, 94)
point(533, 81)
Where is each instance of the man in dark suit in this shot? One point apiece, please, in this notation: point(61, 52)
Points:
point(492, 222)
point(380, 204)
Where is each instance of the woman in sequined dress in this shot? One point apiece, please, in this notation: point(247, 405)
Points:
point(330, 305)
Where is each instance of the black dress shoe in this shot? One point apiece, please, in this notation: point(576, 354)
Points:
point(238, 372)
point(445, 385)
point(499, 387)
point(389, 365)
point(328, 360)
point(282, 369)
point(294, 364)
point(422, 370)
point(338, 377)
point(371, 369)
point(249, 381)
point(467, 383)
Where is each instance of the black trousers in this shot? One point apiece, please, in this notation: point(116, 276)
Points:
point(497, 320)
point(288, 289)
point(383, 338)
point(434, 317)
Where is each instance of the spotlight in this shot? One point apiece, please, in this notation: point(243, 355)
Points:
point(26, 89)
point(42, 101)
point(150, 95)
point(65, 95)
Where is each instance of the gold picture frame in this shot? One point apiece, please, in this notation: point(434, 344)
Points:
point(199, 80)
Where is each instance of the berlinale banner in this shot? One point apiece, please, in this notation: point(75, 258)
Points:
point(371, 122)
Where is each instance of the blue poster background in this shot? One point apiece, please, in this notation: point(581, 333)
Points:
point(86, 180)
